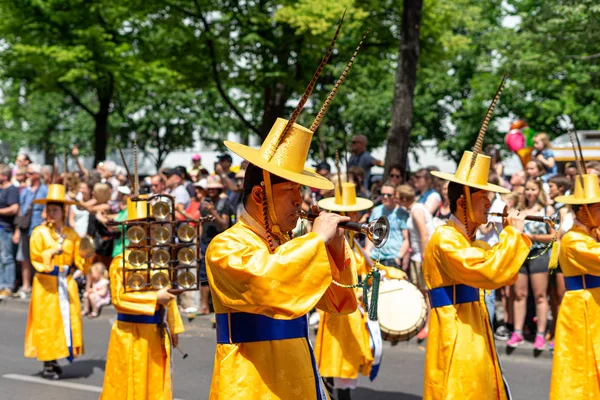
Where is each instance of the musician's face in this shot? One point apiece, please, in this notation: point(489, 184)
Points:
point(288, 202)
point(354, 216)
point(54, 213)
point(481, 205)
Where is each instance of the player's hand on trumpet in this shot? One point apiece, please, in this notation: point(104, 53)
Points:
point(514, 218)
point(326, 226)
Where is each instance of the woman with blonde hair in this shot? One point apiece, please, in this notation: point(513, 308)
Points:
point(535, 269)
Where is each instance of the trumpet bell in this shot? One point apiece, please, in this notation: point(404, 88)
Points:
point(186, 233)
point(136, 234)
point(186, 279)
point(161, 210)
point(136, 281)
point(87, 247)
point(137, 258)
point(161, 257)
point(159, 280)
point(161, 235)
point(378, 231)
point(186, 256)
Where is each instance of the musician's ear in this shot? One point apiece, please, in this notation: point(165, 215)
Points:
point(461, 202)
point(257, 194)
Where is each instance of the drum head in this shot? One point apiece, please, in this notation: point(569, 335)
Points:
point(402, 309)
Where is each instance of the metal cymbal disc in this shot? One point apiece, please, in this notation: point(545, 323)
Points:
point(161, 210)
point(159, 280)
point(186, 279)
point(161, 257)
point(136, 281)
point(137, 258)
point(87, 247)
point(186, 256)
point(186, 233)
point(161, 235)
point(136, 234)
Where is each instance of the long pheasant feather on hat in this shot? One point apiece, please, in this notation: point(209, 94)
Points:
point(478, 148)
point(339, 82)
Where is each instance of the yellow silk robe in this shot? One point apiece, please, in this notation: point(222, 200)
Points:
point(461, 360)
point(138, 364)
point(576, 361)
point(44, 335)
point(342, 347)
point(245, 277)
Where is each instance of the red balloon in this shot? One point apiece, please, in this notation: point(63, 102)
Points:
point(518, 124)
point(515, 140)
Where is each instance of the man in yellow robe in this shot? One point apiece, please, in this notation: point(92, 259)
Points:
point(576, 361)
point(264, 283)
point(54, 328)
point(461, 360)
point(138, 363)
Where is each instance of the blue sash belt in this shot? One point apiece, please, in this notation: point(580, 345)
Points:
point(245, 327)
point(140, 319)
point(54, 272)
point(581, 282)
point(444, 296)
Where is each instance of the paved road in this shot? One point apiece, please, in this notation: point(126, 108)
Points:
point(401, 377)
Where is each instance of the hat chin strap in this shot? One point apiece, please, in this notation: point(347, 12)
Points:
point(270, 204)
point(470, 211)
point(592, 225)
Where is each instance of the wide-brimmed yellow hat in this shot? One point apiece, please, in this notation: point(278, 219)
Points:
point(475, 177)
point(56, 194)
point(346, 201)
point(288, 157)
point(586, 192)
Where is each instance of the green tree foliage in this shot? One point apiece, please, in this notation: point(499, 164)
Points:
point(554, 58)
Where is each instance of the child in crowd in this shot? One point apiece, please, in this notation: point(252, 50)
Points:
point(98, 294)
point(543, 153)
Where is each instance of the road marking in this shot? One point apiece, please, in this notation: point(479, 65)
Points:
point(64, 384)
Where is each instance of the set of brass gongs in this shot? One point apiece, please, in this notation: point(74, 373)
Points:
point(162, 249)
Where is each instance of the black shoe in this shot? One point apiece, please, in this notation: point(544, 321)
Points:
point(57, 367)
point(49, 372)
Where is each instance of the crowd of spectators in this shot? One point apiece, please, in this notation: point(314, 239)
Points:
point(414, 203)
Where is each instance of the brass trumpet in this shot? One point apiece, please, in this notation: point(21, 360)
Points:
point(377, 231)
point(552, 220)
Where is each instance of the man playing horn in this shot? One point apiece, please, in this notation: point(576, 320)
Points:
point(264, 283)
point(575, 365)
point(461, 361)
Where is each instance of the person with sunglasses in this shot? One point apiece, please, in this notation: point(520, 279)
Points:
point(396, 247)
point(395, 174)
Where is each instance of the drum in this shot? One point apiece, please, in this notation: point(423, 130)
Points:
point(402, 310)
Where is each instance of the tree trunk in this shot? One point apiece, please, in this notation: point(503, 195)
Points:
point(404, 88)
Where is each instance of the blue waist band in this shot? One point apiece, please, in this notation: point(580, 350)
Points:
point(444, 296)
point(245, 327)
point(54, 272)
point(580, 282)
point(140, 319)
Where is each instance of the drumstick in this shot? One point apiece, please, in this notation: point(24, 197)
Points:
point(182, 353)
